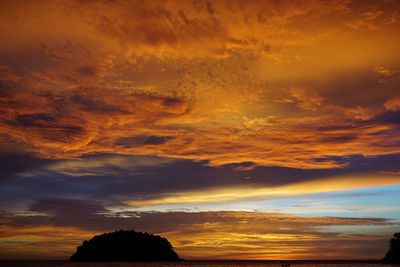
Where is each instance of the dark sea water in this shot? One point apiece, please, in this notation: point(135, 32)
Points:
point(194, 264)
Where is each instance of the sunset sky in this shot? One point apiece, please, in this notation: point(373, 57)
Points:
point(257, 129)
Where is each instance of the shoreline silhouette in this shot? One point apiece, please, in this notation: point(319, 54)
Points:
point(125, 246)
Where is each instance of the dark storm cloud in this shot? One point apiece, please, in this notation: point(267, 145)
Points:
point(12, 164)
point(358, 163)
point(389, 117)
point(67, 207)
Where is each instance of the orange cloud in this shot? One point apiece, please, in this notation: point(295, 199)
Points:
point(309, 101)
point(206, 79)
point(393, 104)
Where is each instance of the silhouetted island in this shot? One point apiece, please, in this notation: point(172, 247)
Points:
point(393, 255)
point(125, 246)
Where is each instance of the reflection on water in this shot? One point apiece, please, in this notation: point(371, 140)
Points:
point(188, 264)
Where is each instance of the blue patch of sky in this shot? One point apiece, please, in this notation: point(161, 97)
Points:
point(374, 202)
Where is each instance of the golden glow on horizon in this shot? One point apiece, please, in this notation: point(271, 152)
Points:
point(214, 235)
point(40, 242)
point(242, 193)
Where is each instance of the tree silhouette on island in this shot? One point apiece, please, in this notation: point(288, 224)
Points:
point(125, 246)
point(393, 255)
